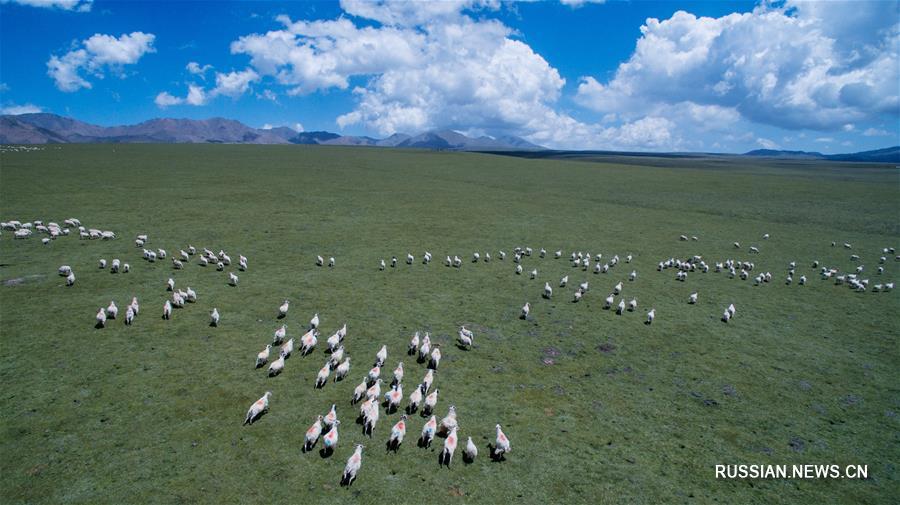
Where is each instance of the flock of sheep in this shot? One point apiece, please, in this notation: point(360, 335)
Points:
point(368, 393)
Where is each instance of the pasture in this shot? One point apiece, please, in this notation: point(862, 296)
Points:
point(599, 408)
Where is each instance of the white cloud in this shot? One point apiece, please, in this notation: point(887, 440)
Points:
point(777, 66)
point(413, 13)
point(196, 95)
point(67, 5)
point(164, 100)
point(298, 127)
point(266, 126)
point(234, 84)
point(825, 140)
point(578, 3)
point(767, 144)
point(196, 69)
point(15, 110)
point(876, 132)
point(96, 56)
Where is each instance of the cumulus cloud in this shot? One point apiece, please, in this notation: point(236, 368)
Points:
point(876, 132)
point(767, 144)
point(578, 3)
point(15, 110)
point(231, 84)
point(66, 5)
point(164, 100)
point(794, 67)
point(197, 69)
point(96, 56)
point(426, 65)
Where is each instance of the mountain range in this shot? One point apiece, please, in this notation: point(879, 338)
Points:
point(44, 128)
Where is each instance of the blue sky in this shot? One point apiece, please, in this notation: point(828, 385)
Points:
point(650, 76)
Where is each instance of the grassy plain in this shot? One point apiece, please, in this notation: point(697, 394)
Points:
point(599, 408)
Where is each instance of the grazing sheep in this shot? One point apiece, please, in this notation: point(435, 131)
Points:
point(534, 273)
point(352, 468)
point(331, 418)
point(397, 433)
point(342, 370)
point(382, 265)
point(413, 344)
point(232, 279)
point(428, 431)
point(283, 310)
point(502, 255)
point(381, 356)
point(692, 299)
point(651, 316)
point(518, 269)
point(609, 302)
point(280, 333)
point(632, 305)
point(64, 270)
point(374, 374)
point(263, 356)
point(312, 434)
point(617, 288)
point(394, 397)
point(322, 376)
point(336, 356)
point(287, 349)
point(308, 341)
point(525, 310)
point(214, 317)
point(754, 249)
point(465, 338)
point(415, 398)
point(360, 390)
point(802, 280)
point(430, 402)
point(314, 322)
point(258, 407)
point(435, 357)
point(620, 309)
point(475, 257)
point(583, 286)
point(112, 311)
point(70, 279)
point(449, 422)
point(428, 379)
point(102, 263)
point(170, 284)
point(548, 291)
point(276, 367)
point(425, 349)
point(633, 275)
point(330, 440)
point(449, 447)
point(101, 318)
point(320, 261)
point(564, 281)
point(501, 444)
point(487, 257)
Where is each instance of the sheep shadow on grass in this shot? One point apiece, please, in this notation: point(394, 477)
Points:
point(326, 452)
point(495, 456)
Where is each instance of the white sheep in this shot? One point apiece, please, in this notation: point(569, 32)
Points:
point(430, 402)
point(632, 305)
point(620, 309)
point(651, 316)
point(381, 266)
point(413, 346)
point(342, 369)
point(548, 291)
point(308, 341)
point(518, 269)
point(214, 317)
point(314, 322)
point(428, 431)
point(525, 310)
point(501, 443)
point(397, 433)
point(449, 448)
point(564, 281)
point(320, 261)
point(70, 279)
point(112, 311)
point(693, 298)
point(232, 279)
point(534, 273)
point(312, 434)
point(609, 301)
point(287, 349)
point(410, 258)
point(101, 318)
point(167, 310)
point(258, 407)
point(102, 263)
point(262, 357)
point(352, 468)
point(322, 376)
point(331, 261)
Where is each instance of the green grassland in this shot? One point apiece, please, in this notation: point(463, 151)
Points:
point(599, 408)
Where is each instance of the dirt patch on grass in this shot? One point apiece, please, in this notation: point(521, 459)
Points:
point(21, 280)
point(456, 491)
point(607, 348)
